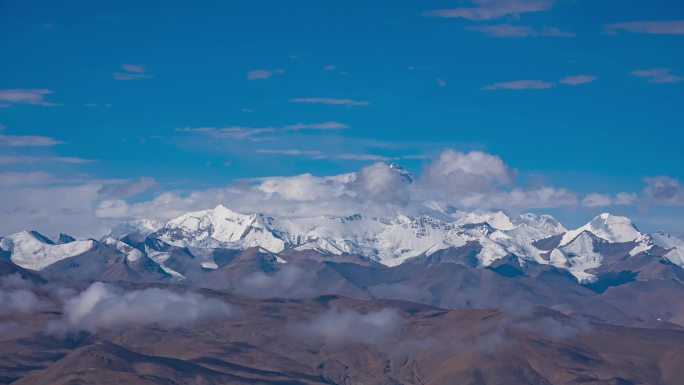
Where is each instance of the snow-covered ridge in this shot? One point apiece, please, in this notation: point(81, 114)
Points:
point(609, 227)
point(33, 251)
point(388, 240)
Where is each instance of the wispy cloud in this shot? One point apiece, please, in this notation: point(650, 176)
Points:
point(262, 74)
point(329, 67)
point(655, 27)
point(362, 157)
point(315, 154)
point(492, 9)
point(528, 84)
point(349, 327)
point(36, 159)
point(128, 188)
point(106, 307)
point(132, 72)
point(292, 152)
point(330, 125)
point(664, 190)
point(441, 82)
point(658, 75)
point(255, 134)
point(232, 132)
point(513, 31)
point(33, 96)
point(520, 85)
point(575, 80)
point(331, 101)
point(28, 141)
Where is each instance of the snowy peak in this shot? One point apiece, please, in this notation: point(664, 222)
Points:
point(32, 250)
point(404, 173)
point(65, 238)
point(666, 241)
point(544, 222)
point(675, 246)
point(220, 227)
point(498, 220)
point(142, 227)
point(612, 228)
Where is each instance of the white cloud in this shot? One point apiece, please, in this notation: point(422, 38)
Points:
point(293, 152)
point(380, 183)
point(575, 80)
point(288, 282)
point(28, 141)
point(21, 301)
point(520, 85)
point(33, 96)
point(132, 72)
point(596, 200)
point(658, 75)
point(331, 101)
point(457, 173)
point(453, 180)
point(262, 74)
point(316, 126)
point(349, 327)
point(232, 132)
point(663, 190)
point(362, 157)
point(128, 188)
point(656, 27)
point(106, 307)
point(517, 31)
point(35, 159)
point(625, 199)
point(492, 9)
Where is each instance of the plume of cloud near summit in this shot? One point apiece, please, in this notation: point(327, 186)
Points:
point(492, 9)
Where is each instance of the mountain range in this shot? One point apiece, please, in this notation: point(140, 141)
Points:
point(528, 301)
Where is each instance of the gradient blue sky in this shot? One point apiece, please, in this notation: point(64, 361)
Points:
point(580, 94)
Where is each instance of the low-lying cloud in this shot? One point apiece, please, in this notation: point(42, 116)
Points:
point(21, 301)
point(106, 307)
point(288, 282)
point(348, 326)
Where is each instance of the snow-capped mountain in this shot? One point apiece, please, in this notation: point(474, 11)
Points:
point(390, 240)
point(538, 239)
point(31, 250)
point(142, 227)
point(609, 227)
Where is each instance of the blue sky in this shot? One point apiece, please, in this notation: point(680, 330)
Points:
point(582, 95)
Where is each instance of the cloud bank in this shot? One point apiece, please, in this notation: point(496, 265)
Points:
point(348, 326)
point(288, 282)
point(103, 306)
point(451, 182)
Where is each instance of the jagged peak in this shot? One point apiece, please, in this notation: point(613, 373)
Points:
point(612, 228)
point(404, 173)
